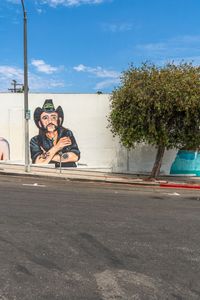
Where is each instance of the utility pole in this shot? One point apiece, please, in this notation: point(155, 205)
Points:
point(26, 110)
point(17, 87)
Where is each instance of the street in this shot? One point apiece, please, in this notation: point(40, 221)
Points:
point(95, 241)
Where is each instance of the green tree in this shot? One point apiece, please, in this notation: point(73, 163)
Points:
point(159, 106)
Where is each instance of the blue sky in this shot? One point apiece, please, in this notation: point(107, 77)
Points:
point(82, 46)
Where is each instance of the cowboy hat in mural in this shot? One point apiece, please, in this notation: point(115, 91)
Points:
point(48, 107)
point(54, 142)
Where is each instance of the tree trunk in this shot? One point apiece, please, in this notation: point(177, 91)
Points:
point(158, 161)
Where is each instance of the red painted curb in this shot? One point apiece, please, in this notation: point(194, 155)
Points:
point(183, 186)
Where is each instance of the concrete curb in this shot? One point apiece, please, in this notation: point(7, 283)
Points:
point(94, 176)
point(85, 178)
point(180, 186)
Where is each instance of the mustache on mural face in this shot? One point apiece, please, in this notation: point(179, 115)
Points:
point(51, 124)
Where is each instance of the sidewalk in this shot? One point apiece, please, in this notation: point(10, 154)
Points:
point(85, 174)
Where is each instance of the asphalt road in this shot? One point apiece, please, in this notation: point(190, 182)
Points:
point(89, 241)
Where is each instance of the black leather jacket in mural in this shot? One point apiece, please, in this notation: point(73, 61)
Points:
point(41, 141)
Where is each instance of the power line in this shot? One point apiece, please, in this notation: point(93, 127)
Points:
point(17, 87)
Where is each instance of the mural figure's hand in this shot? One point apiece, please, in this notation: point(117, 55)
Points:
point(63, 142)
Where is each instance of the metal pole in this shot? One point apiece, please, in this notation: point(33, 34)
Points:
point(127, 161)
point(60, 163)
point(26, 110)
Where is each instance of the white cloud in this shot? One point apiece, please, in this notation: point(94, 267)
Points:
point(36, 83)
point(195, 60)
point(152, 47)
point(39, 83)
point(80, 68)
point(39, 10)
point(98, 71)
point(106, 83)
point(42, 67)
point(187, 39)
point(9, 73)
point(54, 3)
point(177, 46)
point(110, 77)
point(14, 1)
point(118, 27)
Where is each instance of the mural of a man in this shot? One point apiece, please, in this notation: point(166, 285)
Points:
point(54, 142)
point(4, 149)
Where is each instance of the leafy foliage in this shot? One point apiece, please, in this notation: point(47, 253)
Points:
point(159, 106)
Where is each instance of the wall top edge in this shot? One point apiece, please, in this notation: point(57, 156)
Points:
point(38, 93)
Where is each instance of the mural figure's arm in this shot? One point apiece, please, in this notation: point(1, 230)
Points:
point(40, 156)
point(65, 157)
point(46, 157)
point(70, 152)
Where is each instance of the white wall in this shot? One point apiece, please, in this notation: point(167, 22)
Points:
point(86, 115)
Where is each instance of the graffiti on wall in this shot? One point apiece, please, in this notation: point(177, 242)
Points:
point(54, 143)
point(4, 149)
